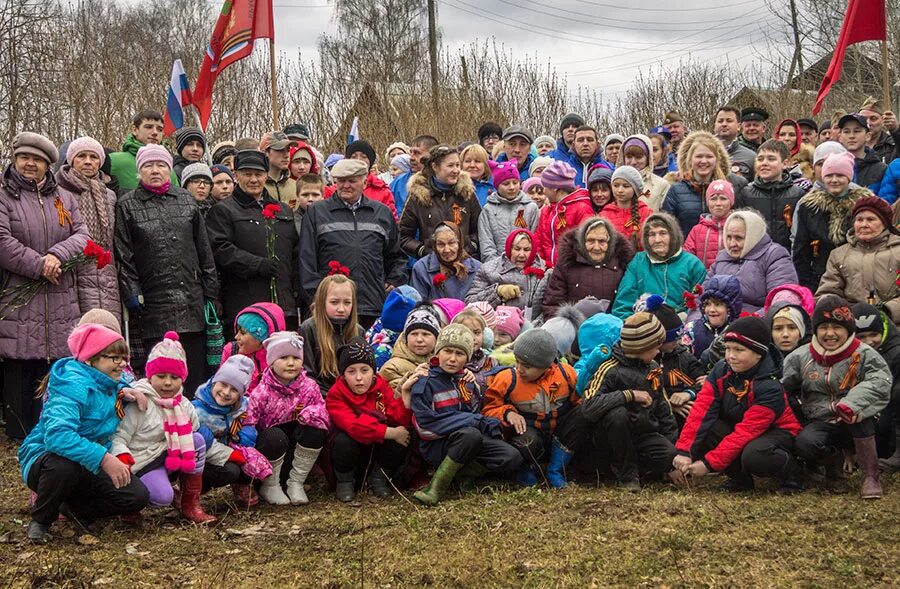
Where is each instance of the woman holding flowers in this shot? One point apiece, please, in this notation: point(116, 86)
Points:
point(40, 230)
point(254, 243)
point(448, 271)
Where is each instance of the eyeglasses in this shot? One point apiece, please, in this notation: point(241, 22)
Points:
point(115, 359)
point(201, 182)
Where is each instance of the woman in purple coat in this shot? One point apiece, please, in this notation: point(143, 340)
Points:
point(753, 258)
point(40, 228)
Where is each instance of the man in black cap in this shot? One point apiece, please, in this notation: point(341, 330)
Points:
point(517, 142)
point(726, 128)
point(753, 127)
point(567, 127)
point(809, 132)
point(854, 136)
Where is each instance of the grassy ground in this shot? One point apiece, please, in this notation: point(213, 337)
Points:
point(583, 536)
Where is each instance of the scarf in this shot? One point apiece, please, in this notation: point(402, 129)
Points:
point(828, 359)
point(92, 201)
point(158, 190)
point(179, 435)
point(441, 186)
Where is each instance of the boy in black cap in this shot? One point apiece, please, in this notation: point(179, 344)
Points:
point(190, 145)
point(854, 135)
point(753, 127)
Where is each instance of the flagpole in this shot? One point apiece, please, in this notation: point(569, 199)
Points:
point(275, 124)
point(885, 77)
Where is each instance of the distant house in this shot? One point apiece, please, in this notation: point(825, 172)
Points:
point(860, 75)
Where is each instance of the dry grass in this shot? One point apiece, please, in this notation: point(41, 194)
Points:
point(497, 537)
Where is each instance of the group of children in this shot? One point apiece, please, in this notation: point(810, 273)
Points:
point(466, 391)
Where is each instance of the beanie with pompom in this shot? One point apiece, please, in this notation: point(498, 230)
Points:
point(167, 357)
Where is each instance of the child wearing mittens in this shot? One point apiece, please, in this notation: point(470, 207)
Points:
point(372, 424)
point(288, 406)
point(251, 328)
point(162, 442)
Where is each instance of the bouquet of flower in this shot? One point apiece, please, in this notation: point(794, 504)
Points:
point(14, 298)
point(270, 211)
point(536, 275)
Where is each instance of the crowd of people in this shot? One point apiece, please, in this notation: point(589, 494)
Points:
point(651, 307)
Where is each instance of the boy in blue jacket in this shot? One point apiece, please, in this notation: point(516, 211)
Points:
point(452, 431)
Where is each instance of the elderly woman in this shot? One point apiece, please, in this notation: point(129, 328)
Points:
point(40, 229)
point(592, 261)
point(753, 258)
point(440, 192)
point(823, 217)
point(637, 152)
point(166, 267)
point(80, 179)
point(515, 279)
point(663, 268)
point(865, 269)
point(448, 271)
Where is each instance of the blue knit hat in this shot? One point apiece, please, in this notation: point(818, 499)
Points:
point(396, 308)
point(253, 324)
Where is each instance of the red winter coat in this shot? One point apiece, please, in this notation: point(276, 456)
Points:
point(376, 190)
point(360, 415)
point(621, 220)
point(706, 239)
point(557, 218)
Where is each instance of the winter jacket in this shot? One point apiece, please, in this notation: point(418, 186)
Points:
point(858, 377)
point(36, 221)
point(441, 405)
point(424, 271)
point(885, 146)
point(622, 221)
point(743, 160)
point(576, 276)
point(312, 351)
point(274, 318)
point(523, 166)
point(762, 268)
point(78, 418)
point(483, 189)
point(402, 363)
point(499, 218)
point(680, 371)
point(97, 288)
point(273, 403)
point(366, 417)
point(557, 218)
point(400, 189)
point(582, 169)
point(284, 189)
point(238, 235)
point(141, 434)
point(869, 171)
point(687, 201)
point(501, 271)
point(427, 207)
point(375, 189)
point(224, 424)
point(706, 239)
point(366, 241)
point(776, 202)
point(822, 224)
point(612, 386)
point(752, 403)
point(543, 403)
point(858, 270)
point(123, 166)
point(890, 183)
point(164, 255)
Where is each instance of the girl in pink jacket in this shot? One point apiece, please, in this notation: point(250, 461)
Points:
point(706, 238)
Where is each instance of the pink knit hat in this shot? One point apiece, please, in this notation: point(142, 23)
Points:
point(558, 175)
point(89, 339)
point(839, 163)
point(85, 144)
point(486, 311)
point(152, 153)
point(448, 309)
point(722, 187)
point(167, 357)
point(503, 171)
point(282, 344)
point(531, 183)
point(510, 320)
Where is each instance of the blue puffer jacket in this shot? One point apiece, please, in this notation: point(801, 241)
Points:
point(582, 171)
point(78, 419)
point(523, 168)
point(890, 183)
point(483, 189)
point(561, 152)
point(400, 190)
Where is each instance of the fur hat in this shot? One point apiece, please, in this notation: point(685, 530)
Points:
point(423, 317)
point(833, 309)
point(563, 327)
point(456, 336)
point(641, 332)
point(89, 339)
point(88, 144)
point(558, 175)
point(251, 159)
point(356, 351)
point(35, 144)
point(510, 320)
point(839, 163)
point(152, 153)
point(236, 371)
point(537, 347)
point(167, 357)
point(630, 175)
point(751, 332)
point(503, 171)
point(282, 344)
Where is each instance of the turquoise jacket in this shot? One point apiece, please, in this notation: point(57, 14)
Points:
point(78, 419)
point(669, 279)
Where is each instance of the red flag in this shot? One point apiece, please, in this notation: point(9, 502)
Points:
point(865, 21)
point(240, 23)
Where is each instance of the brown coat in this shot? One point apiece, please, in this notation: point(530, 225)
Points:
point(426, 208)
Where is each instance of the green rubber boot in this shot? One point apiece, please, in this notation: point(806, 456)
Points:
point(442, 478)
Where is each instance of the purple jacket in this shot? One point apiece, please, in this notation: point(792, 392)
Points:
point(763, 268)
point(29, 229)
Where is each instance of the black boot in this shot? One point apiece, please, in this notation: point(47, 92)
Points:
point(378, 482)
point(835, 479)
point(345, 487)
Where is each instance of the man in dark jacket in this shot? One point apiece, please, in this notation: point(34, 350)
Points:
point(753, 127)
point(357, 232)
point(884, 136)
point(726, 130)
point(854, 132)
point(240, 230)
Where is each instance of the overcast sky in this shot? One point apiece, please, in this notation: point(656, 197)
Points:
point(594, 43)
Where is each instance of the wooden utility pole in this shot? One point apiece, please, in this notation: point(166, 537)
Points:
point(275, 124)
point(797, 59)
point(432, 49)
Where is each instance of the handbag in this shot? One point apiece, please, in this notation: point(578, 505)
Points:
point(215, 335)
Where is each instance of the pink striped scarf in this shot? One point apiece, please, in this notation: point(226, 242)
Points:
point(179, 435)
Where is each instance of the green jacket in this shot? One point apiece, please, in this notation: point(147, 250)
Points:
point(123, 166)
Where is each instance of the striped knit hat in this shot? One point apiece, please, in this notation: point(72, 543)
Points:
point(750, 332)
point(641, 332)
point(167, 357)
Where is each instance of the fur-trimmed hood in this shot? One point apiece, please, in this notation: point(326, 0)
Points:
point(420, 188)
point(838, 209)
point(677, 237)
point(572, 250)
point(723, 162)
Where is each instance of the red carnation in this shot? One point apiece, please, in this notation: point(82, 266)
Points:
point(92, 250)
point(336, 267)
point(271, 210)
point(897, 282)
point(532, 271)
point(690, 300)
point(439, 279)
point(103, 260)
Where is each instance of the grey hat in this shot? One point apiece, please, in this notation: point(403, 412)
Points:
point(541, 161)
point(347, 168)
point(35, 144)
point(630, 175)
point(545, 139)
point(195, 170)
point(251, 159)
point(518, 131)
point(613, 138)
point(536, 347)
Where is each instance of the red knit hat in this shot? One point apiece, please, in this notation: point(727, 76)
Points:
point(878, 207)
point(511, 239)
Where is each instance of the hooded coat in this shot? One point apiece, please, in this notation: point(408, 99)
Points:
point(402, 363)
point(557, 218)
point(699, 334)
point(776, 202)
point(706, 239)
point(576, 276)
point(668, 277)
point(499, 217)
point(365, 418)
point(427, 207)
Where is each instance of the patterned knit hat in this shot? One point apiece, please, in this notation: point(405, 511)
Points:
point(424, 317)
point(357, 351)
point(486, 311)
point(456, 336)
point(751, 332)
point(656, 305)
point(282, 344)
point(868, 319)
point(558, 175)
point(640, 333)
point(510, 320)
point(833, 309)
point(167, 357)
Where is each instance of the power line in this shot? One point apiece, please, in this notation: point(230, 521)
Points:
point(622, 7)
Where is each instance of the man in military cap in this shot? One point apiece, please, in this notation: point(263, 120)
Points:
point(674, 122)
point(753, 127)
point(883, 129)
point(809, 132)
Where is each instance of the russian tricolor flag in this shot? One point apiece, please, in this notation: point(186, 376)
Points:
point(354, 131)
point(178, 99)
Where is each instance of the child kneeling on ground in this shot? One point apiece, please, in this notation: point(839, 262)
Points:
point(741, 423)
point(371, 422)
point(452, 433)
point(288, 410)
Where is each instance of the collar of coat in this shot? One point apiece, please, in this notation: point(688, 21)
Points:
point(838, 210)
point(420, 188)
